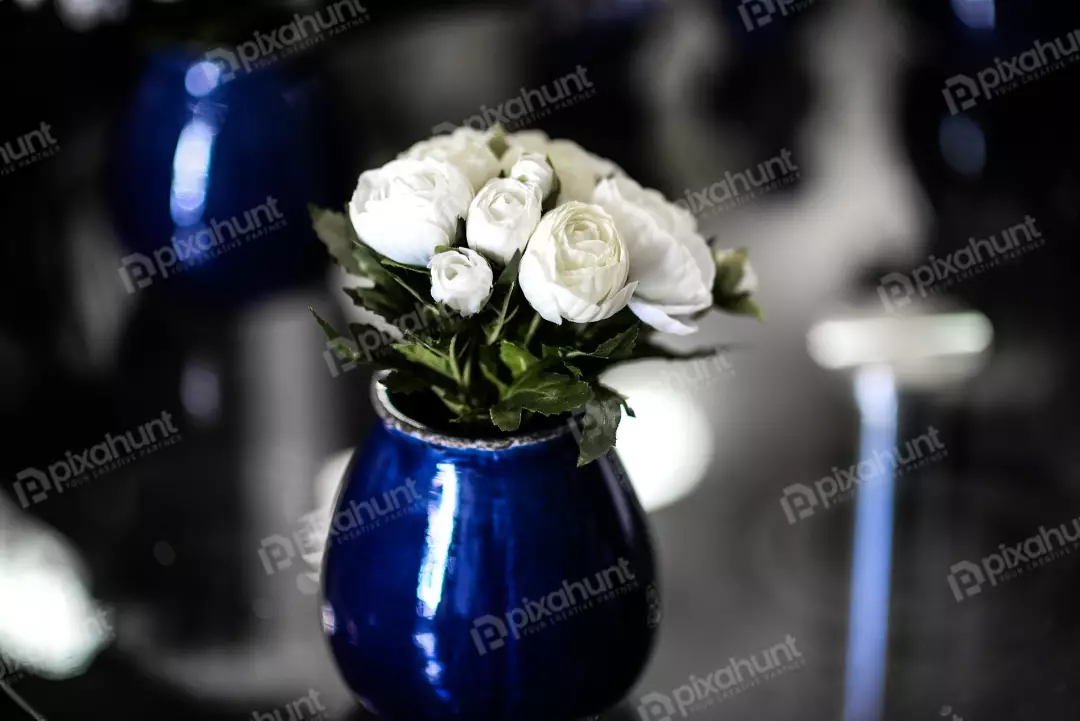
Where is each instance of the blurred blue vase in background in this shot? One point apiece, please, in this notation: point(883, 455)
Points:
point(211, 178)
point(491, 580)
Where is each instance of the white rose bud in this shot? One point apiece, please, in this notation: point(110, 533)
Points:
point(534, 169)
point(407, 208)
point(578, 169)
point(502, 217)
point(575, 266)
point(461, 279)
point(466, 149)
point(670, 261)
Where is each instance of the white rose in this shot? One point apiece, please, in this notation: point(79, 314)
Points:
point(502, 217)
point(461, 279)
point(575, 266)
point(466, 149)
point(408, 207)
point(578, 169)
point(670, 261)
point(749, 281)
point(534, 169)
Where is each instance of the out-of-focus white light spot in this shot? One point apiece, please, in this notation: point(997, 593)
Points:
point(976, 14)
point(191, 172)
point(963, 144)
point(48, 622)
point(202, 78)
point(666, 449)
point(837, 344)
point(86, 14)
point(200, 391)
point(164, 553)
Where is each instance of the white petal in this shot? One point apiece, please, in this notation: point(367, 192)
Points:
point(399, 239)
point(537, 289)
point(652, 315)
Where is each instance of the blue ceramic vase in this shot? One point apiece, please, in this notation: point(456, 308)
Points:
point(486, 580)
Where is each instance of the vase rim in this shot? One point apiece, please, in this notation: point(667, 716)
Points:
point(391, 416)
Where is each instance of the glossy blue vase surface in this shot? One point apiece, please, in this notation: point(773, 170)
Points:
point(486, 580)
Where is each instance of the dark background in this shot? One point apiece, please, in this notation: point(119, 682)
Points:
point(684, 93)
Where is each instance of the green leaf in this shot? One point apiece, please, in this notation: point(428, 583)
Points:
point(394, 264)
point(477, 416)
point(427, 357)
point(741, 305)
point(517, 358)
point(600, 424)
point(497, 141)
point(452, 401)
point(388, 305)
point(549, 394)
point(506, 419)
point(489, 367)
point(619, 347)
point(337, 342)
point(730, 269)
point(367, 260)
point(501, 299)
point(552, 198)
point(508, 277)
point(335, 232)
point(458, 353)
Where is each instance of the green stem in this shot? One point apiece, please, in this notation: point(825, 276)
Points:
point(533, 325)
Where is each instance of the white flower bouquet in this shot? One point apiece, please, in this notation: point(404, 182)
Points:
point(537, 266)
